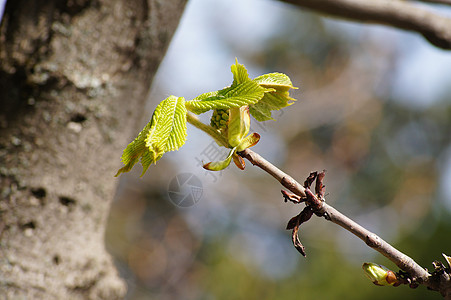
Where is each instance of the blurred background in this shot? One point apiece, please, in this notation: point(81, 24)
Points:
point(373, 109)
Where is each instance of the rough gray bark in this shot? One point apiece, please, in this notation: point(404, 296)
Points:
point(74, 76)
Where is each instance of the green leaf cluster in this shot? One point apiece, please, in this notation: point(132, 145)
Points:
point(166, 130)
point(263, 94)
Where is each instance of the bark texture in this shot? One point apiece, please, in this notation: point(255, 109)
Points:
point(74, 76)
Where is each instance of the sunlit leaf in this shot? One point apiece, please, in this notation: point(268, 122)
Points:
point(205, 96)
point(220, 165)
point(278, 81)
point(165, 132)
point(240, 74)
point(249, 141)
point(261, 111)
point(239, 125)
point(275, 100)
point(239, 95)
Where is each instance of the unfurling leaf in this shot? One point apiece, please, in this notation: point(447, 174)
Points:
point(220, 165)
point(239, 95)
point(239, 72)
point(278, 81)
point(165, 132)
point(239, 125)
point(380, 275)
point(275, 100)
point(247, 142)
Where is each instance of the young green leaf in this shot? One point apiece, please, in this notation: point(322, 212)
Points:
point(247, 142)
point(240, 74)
point(239, 125)
point(165, 132)
point(275, 100)
point(242, 94)
point(207, 95)
point(278, 81)
point(261, 111)
point(220, 165)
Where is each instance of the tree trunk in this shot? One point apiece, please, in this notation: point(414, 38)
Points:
point(74, 77)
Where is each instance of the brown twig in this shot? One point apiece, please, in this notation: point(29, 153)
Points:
point(396, 13)
point(315, 203)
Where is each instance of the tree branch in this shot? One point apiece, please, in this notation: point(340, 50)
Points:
point(442, 2)
point(285, 179)
point(403, 261)
point(396, 13)
point(417, 273)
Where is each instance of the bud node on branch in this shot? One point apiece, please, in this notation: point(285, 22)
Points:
point(373, 241)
